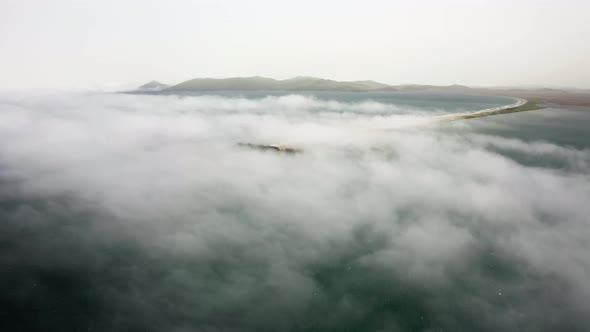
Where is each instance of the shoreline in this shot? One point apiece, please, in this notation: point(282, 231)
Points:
point(521, 105)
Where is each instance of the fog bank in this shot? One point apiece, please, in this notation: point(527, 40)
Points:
point(130, 212)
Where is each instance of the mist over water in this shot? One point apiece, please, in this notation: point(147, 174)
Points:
point(141, 213)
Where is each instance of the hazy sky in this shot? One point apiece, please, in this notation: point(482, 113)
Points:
point(111, 43)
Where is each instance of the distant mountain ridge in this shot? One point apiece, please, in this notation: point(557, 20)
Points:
point(307, 83)
point(299, 83)
point(154, 86)
point(570, 97)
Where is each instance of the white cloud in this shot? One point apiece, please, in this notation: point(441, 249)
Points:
point(419, 207)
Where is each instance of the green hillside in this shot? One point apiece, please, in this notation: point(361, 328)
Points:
point(300, 83)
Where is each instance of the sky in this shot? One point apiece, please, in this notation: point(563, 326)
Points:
point(112, 43)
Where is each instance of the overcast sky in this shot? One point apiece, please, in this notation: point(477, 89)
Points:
point(111, 43)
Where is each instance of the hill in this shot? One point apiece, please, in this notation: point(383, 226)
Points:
point(300, 83)
point(576, 97)
point(154, 86)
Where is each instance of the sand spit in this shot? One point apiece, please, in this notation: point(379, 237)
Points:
point(517, 106)
point(487, 112)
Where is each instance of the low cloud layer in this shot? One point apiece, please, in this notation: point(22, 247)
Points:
point(128, 212)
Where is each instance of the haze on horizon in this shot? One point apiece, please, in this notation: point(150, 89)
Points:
point(111, 44)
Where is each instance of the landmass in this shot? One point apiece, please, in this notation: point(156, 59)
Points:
point(153, 86)
point(535, 96)
point(527, 99)
point(300, 83)
point(521, 105)
point(271, 147)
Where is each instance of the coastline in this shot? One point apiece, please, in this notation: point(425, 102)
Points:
point(521, 105)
